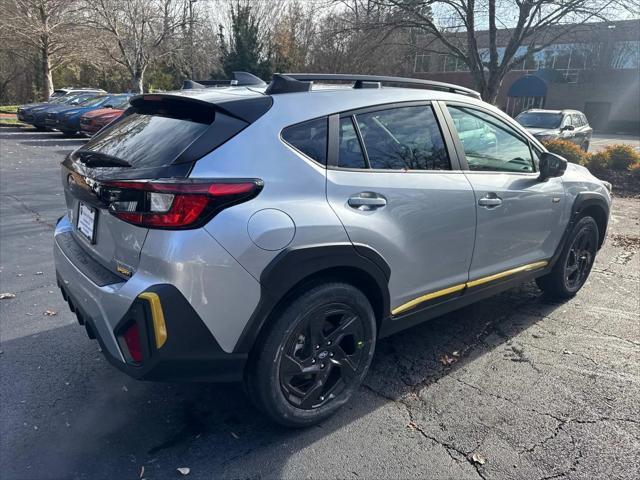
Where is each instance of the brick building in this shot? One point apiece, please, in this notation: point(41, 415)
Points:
point(593, 67)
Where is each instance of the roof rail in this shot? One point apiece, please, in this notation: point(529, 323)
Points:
point(361, 80)
point(240, 79)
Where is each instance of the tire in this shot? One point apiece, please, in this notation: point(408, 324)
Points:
point(68, 133)
point(40, 129)
point(329, 331)
point(575, 262)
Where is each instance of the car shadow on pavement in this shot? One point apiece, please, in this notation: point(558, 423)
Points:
point(93, 419)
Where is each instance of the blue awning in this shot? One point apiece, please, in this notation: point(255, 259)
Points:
point(528, 86)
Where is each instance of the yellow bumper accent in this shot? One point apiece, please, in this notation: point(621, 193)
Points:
point(159, 326)
point(456, 288)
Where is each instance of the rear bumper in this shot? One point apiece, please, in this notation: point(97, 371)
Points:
point(106, 304)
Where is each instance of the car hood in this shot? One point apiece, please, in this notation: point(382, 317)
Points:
point(543, 131)
point(100, 112)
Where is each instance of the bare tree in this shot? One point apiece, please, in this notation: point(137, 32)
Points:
point(46, 27)
point(454, 27)
point(135, 33)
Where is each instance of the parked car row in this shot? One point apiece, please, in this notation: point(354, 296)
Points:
point(74, 111)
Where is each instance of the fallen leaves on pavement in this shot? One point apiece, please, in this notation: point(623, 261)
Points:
point(479, 459)
point(447, 360)
point(49, 313)
point(183, 470)
point(4, 296)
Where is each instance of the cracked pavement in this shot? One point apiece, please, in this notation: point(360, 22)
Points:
point(534, 389)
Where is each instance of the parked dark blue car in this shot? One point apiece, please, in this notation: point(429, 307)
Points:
point(38, 114)
point(59, 97)
point(67, 120)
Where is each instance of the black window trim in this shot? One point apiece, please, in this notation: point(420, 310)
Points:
point(534, 145)
point(334, 138)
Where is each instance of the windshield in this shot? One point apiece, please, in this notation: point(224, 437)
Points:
point(539, 119)
point(94, 102)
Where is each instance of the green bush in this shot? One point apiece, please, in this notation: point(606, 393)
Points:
point(568, 150)
point(597, 161)
point(622, 157)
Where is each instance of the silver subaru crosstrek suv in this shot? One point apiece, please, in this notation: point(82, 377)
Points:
point(272, 233)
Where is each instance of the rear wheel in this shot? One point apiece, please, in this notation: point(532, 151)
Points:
point(574, 265)
point(68, 133)
point(315, 355)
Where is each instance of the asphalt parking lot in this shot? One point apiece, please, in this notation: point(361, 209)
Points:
point(515, 387)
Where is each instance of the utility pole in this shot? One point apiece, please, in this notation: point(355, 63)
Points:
point(191, 46)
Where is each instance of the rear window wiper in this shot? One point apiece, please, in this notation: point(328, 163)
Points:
point(97, 159)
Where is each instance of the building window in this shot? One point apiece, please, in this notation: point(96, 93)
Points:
point(625, 55)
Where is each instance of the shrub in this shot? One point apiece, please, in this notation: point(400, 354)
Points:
point(568, 150)
point(634, 168)
point(622, 157)
point(597, 161)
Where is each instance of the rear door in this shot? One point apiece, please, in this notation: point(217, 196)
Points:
point(396, 188)
point(519, 218)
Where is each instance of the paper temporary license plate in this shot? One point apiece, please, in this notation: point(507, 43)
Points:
point(87, 221)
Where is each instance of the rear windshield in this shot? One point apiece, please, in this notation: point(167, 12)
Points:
point(148, 140)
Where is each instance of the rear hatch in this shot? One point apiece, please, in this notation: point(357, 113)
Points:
point(159, 137)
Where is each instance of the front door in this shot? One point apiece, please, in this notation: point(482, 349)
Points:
point(519, 218)
point(391, 182)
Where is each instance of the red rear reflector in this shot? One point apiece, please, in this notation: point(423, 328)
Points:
point(132, 339)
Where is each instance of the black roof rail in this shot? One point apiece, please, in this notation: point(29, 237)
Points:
point(240, 79)
point(362, 80)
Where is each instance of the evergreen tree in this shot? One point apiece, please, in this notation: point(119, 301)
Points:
point(244, 51)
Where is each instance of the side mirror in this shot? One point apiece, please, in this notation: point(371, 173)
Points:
point(551, 165)
point(568, 128)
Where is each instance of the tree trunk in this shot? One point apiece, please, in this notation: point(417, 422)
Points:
point(47, 78)
point(490, 92)
point(137, 82)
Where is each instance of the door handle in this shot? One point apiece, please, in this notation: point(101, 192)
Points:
point(490, 201)
point(366, 201)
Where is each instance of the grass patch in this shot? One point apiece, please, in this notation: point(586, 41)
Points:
point(9, 109)
point(11, 122)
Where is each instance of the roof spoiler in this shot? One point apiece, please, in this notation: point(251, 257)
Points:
point(240, 79)
point(293, 82)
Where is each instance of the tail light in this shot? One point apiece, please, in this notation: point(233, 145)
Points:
point(179, 204)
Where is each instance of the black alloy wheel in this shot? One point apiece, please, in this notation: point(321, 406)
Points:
point(321, 357)
point(579, 260)
point(314, 354)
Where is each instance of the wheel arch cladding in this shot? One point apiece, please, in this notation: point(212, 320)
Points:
point(295, 269)
point(595, 206)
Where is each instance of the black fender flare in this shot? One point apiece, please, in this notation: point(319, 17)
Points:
point(582, 202)
point(293, 266)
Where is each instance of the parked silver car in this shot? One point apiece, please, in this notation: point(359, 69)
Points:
point(570, 125)
point(271, 234)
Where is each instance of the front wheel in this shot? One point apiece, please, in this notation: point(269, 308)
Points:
point(573, 266)
point(315, 355)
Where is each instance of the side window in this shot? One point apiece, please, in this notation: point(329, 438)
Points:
point(309, 137)
point(577, 121)
point(404, 138)
point(489, 143)
point(350, 154)
point(585, 122)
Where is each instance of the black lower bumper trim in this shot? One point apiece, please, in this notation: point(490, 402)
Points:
point(190, 352)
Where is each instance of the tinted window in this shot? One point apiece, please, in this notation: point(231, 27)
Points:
point(147, 140)
point(309, 137)
point(350, 155)
point(406, 138)
point(491, 144)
